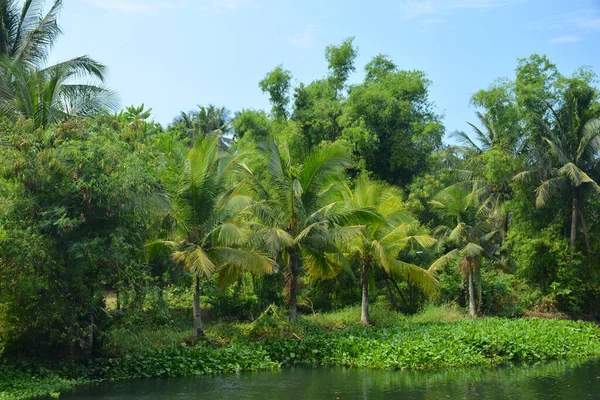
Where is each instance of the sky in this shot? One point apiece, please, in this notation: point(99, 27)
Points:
point(174, 55)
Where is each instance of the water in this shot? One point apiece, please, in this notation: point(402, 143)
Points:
point(557, 380)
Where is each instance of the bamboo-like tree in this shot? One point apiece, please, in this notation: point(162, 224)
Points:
point(381, 242)
point(572, 151)
point(472, 235)
point(209, 216)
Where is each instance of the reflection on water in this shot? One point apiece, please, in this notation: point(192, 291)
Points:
point(555, 380)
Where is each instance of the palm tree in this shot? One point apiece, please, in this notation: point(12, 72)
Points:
point(45, 94)
point(486, 136)
point(300, 224)
point(380, 243)
point(210, 214)
point(53, 94)
point(206, 121)
point(572, 151)
point(26, 34)
point(471, 233)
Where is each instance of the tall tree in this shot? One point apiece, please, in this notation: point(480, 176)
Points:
point(470, 232)
point(26, 34)
point(299, 220)
point(210, 211)
point(572, 152)
point(30, 89)
point(52, 94)
point(206, 121)
point(340, 61)
point(380, 243)
point(392, 125)
point(277, 83)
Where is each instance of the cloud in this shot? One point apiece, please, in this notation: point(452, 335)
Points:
point(565, 39)
point(144, 6)
point(420, 8)
point(307, 39)
point(233, 4)
point(583, 20)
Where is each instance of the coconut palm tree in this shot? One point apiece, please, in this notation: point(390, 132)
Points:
point(54, 93)
point(209, 217)
point(45, 94)
point(572, 154)
point(206, 121)
point(26, 34)
point(300, 223)
point(380, 243)
point(472, 234)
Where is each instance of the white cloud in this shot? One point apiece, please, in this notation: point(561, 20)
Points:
point(584, 20)
point(144, 6)
point(565, 39)
point(419, 8)
point(232, 4)
point(307, 39)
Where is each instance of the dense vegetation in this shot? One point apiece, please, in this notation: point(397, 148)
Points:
point(340, 195)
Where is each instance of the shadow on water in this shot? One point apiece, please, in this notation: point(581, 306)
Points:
point(554, 380)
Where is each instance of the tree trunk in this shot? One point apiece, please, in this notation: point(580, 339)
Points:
point(364, 280)
point(294, 266)
point(586, 231)
point(472, 307)
point(478, 283)
point(89, 343)
point(574, 212)
point(391, 294)
point(198, 331)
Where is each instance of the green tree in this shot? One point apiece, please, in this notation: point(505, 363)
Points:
point(46, 94)
point(572, 149)
point(206, 121)
point(26, 34)
point(210, 215)
point(277, 84)
point(52, 94)
point(298, 220)
point(340, 61)
point(471, 232)
point(82, 199)
point(392, 125)
point(381, 242)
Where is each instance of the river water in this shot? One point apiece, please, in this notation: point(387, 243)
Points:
point(555, 380)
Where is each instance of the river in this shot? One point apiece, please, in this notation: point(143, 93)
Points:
point(554, 380)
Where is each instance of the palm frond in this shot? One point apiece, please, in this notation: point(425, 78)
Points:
point(445, 260)
point(195, 259)
point(247, 259)
point(416, 276)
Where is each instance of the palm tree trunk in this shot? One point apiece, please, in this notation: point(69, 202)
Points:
point(198, 331)
point(574, 212)
point(472, 307)
point(294, 265)
point(478, 282)
point(364, 280)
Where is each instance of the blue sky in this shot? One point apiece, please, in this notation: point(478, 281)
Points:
point(172, 55)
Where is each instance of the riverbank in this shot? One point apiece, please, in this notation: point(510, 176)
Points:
point(394, 342)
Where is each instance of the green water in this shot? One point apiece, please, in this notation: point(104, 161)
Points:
point(557, 380)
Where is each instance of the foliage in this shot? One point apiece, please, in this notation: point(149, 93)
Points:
point(433, 345)
point(18, 384)
point(83, 196)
